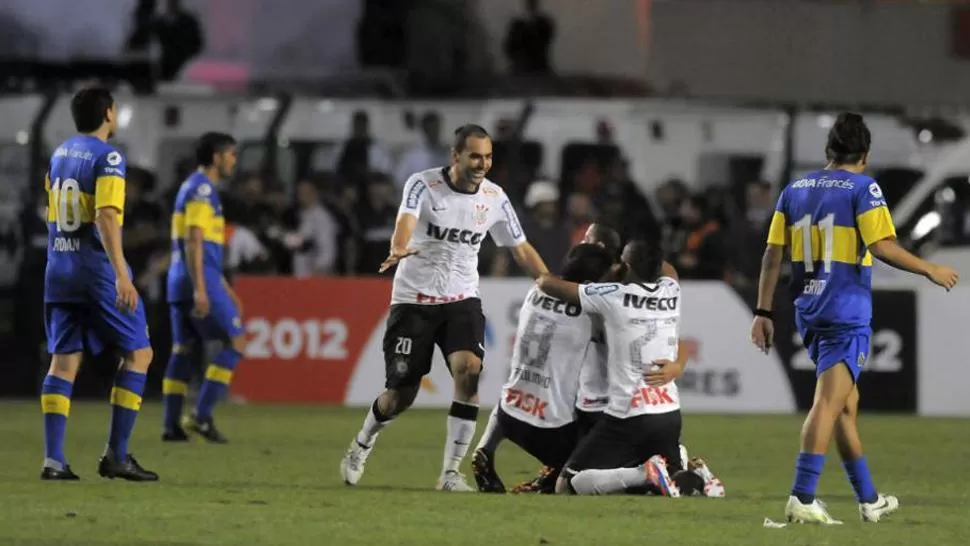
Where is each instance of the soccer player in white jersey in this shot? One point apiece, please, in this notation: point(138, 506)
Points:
point(444, 216)
point(638, 435)
point(535, 410)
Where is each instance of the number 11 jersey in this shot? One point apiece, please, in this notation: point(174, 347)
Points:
point(85, 174)
point(829, 218)
point(550, 346)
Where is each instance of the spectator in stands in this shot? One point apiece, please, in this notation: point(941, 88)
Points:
point(377, 223)
point(427, 154)
point(752, 230)
point(343, 200)
point(180, 36)
point(314, 245)
point(528, 42)
point(620, 199)
point(579, 215)
point(142, 29)
point(361, 153)
point(550, 236)
point(146, 234)
point(701, 250)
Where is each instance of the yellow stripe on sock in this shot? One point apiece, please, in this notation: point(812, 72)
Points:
point(218, 374)
point(55, 403)
point(174, 386)
point(125, 398)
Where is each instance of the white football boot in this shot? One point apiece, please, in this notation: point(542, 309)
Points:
point(884, 505)
point(352, 465)
point(712, 484)
point(454, 481)
point(814, 512)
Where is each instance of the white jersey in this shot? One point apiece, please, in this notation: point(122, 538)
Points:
point(593, 384)
point(550, 345)
point(641, 322)
point(451, 226)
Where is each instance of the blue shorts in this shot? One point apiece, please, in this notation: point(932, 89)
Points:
point(221, 324)
point(827, 350)
point(74, 327)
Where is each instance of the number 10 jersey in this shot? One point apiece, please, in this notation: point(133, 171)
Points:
point(550, 347)
point(85, 174)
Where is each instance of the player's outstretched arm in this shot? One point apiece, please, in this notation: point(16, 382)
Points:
point(529, 260)
point(890, 252)
point(558, 288)
point(108, 223)
point(403, 229)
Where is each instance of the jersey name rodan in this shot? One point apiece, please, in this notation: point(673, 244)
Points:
point(829, 218)
point(641, 322)
point(549, 350)
point(85, 174)
point(450, 229)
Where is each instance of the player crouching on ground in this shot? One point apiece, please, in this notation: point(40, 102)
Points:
point(642, 421)
point(536, 407)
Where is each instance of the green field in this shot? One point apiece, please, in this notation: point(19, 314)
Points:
point(277, 483)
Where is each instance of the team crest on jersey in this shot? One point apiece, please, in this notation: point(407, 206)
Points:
point(113, 159)
point(204, 190)
point(481, 214)
point(875, 190)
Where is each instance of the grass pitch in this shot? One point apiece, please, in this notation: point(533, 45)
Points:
point(277, 483)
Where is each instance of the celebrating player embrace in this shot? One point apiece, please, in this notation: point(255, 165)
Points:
point(834, 221)
point(443, 219)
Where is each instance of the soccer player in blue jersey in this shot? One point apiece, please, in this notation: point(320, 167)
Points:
point(202, 306)
point(89, 298)
point(833, 221)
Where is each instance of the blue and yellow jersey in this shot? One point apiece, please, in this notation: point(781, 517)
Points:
point(828, 219)
point(197, 205)
point(84, 174)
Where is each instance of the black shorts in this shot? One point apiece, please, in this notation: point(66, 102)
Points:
point(586, 420)
point(551, 446)
point(626, 443)
point(414, 330)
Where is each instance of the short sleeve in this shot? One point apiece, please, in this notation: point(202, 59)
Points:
point(109, 181)
point(872, 215)
point(415, 192)
point(507, 231)
point(779, 223)
point(592, 296)
point(199, 207)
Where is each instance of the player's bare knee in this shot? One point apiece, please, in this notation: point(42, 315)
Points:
point(393, 402)
point(65, 366)
point(466, 369)
point(239, 344)
point(139, 360)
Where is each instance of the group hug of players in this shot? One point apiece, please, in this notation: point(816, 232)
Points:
point(592, 388)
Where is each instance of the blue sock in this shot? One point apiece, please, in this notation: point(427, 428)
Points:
point(125, 403)
point(217, 378)
point(174, 387)
point(55, 402)
point(807, 471)
point(858, 473)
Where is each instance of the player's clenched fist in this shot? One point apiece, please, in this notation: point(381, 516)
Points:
point(944, 276)
point(762, 333)
point(396, 255)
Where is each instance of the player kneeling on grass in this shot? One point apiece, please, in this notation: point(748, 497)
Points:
point(641, 422)
point(536, 408)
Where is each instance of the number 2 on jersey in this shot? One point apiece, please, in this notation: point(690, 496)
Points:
point(67, 200)
point(826, 229)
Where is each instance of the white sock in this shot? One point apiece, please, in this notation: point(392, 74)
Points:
point(493, 434)
point(374, 423)
point(605, 482)
point(461, 430)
